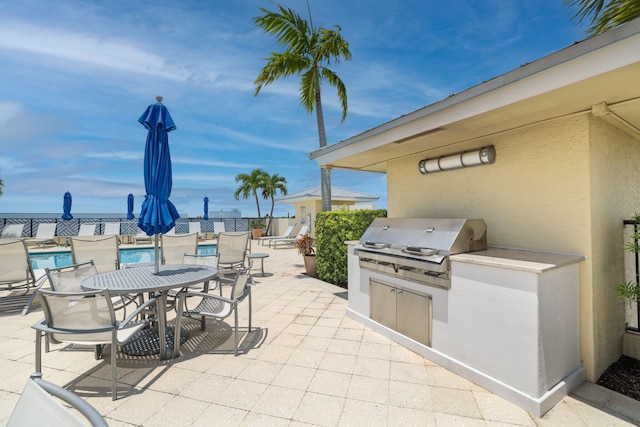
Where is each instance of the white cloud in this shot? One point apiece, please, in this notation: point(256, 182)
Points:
point(86, 48)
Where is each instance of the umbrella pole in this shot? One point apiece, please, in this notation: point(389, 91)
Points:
point(157, 258)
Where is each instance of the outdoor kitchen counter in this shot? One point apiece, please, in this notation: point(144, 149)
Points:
point(509, 322)
point(533, 262)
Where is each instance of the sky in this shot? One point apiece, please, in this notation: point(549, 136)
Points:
point(76, 76)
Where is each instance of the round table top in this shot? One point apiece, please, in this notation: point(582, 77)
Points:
point(144, 279)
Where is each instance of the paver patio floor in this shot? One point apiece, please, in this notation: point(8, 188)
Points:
point(305, 364)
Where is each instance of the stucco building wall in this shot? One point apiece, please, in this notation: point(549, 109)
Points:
point(555, 186)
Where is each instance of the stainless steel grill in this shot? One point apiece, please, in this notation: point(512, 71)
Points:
point(418, 249)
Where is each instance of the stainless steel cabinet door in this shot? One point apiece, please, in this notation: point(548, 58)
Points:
point(383, 304)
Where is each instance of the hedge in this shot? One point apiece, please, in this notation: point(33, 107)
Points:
point(333, 229)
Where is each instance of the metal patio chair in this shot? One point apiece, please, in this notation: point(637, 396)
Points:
point(16, 274)
point(219, 307)
point(175, 246)
point(38, 405)
point(86, 318)
point(103, 250)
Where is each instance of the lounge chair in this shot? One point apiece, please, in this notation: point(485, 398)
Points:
point(112, 228)
point(304, 229)
point(194, 227)
point(141, 237)
point(87, 230)
point(45, 234)
point(174, 247)
point(12, 231)
point(38, 405)
point(288, 233)
point(218, 227)
point(86, 318)
point(16, 273)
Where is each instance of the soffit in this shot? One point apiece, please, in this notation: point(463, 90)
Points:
point(539, 97)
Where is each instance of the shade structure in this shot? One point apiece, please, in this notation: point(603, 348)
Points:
point(206, 208)
point(130, 207)
point(66, 207)
point(158, 214)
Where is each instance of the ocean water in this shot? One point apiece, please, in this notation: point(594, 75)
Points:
point(127, 256)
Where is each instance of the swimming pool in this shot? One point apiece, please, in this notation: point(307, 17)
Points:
point(127, 256)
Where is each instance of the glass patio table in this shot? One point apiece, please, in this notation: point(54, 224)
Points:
point(139, 280)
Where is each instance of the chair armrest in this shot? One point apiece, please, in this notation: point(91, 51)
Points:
point(42, 326)
point(209, 296)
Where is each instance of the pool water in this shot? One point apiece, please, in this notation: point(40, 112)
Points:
point(127, 256)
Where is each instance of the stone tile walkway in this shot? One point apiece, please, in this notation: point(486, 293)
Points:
point(305, 364)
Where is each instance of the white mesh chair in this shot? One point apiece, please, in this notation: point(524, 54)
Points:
point(16, 273)
point(219, 307)
point(141, 237)
point(39, 406)
point(102, 250)
point(104, 253)
point(86, 318)
point(174, 247)
point(210, 260)
point(12, 231)
point(232, 249)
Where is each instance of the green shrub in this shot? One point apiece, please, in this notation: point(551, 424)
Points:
point(332, 230)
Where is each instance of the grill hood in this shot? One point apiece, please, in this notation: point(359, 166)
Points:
point(424, 237)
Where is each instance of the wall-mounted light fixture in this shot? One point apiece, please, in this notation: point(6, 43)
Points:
point(463, 159)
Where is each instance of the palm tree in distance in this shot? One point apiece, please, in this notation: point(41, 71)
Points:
point(604, 14)
point(272, 185)
point(308, 52)
point(250, 184)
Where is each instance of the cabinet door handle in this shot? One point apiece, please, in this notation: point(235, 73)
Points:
point(392, 290)
point(399, 291)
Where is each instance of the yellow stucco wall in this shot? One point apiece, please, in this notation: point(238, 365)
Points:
point(553, 187)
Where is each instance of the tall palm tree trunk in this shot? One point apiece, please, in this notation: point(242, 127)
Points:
point(325, 173)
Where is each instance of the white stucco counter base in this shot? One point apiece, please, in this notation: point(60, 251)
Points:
point(509, 322)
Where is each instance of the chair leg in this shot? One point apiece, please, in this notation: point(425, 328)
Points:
point(250, 312)
point(97, 352)
point(38, 351)
point(235, 339)
point(114, 373)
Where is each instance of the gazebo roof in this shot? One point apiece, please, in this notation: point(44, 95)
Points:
point(337, 195)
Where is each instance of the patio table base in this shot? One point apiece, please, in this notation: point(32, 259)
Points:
point(147, 342)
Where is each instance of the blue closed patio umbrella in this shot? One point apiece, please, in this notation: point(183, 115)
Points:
point(66, 207)
point(206, 208)
point(130, 207)
point(158, 214)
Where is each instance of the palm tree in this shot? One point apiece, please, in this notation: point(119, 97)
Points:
point(250, 184)
point(604, 14)
point(2, 185)
point(308, 52)
point(272, 185)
